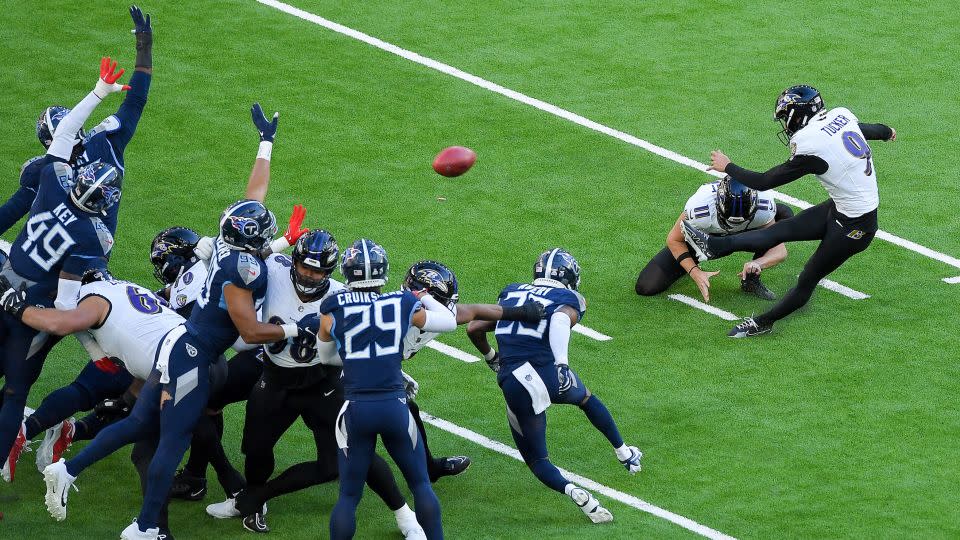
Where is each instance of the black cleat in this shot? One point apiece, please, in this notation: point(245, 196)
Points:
point(698, 240)
point(164, 535)
point(449, 466)
point(256, 523)
point(188, 487)
point(753, 285)
point(749, 328)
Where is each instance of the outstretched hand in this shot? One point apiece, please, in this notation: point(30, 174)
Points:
point(141, 23)
point(294, 232)
point(702, 279)
point(107, 83)
point(267, 128)
point(718, 161)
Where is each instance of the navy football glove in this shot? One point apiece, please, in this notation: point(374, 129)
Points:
point(141, 23)
point(144, 34)
point(12, 300)
point(307, 329)
point(531, 312)
point(112, 409)
point(565, 377)
point(267, 129)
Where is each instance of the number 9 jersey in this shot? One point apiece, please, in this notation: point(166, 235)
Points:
point(368, 329)
point(519, 342)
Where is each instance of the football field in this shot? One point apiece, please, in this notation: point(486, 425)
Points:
point(592, 121)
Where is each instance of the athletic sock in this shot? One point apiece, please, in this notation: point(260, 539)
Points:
point(623, 452)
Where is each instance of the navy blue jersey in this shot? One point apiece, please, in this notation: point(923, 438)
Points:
point(519, 342)
point(20, 202)
point(368, 329)
point(209, 322)
point(58, 236)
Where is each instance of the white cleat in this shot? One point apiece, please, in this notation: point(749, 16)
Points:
point(411, 531)
point(57, 438)
point(590, 506)
point(58, 482)
point(632, 463)
point(227, 509)
point(133, 532)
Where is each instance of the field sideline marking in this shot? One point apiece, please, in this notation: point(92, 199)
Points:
point(565, 114)
point(952, 279)
point(453, 351)
point(590, 332)
point(693, 302)
point(609, 492)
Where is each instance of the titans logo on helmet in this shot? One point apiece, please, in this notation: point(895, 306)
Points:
point(246, 226)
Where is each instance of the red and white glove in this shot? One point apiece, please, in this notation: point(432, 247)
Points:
point(107, 83)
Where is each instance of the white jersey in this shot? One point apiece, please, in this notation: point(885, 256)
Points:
point(835, 137)
point(417, 339)
point(188, 286)
point(702, 212)
point(135, 325)
point(281, 305)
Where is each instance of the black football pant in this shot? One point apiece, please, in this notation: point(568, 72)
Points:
point(840, 238)
point(280, 397)
point(434, 466)
point(663, 270)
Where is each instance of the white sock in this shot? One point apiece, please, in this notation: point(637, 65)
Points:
point(404, 513)
point(568, 488)
point(623, 452)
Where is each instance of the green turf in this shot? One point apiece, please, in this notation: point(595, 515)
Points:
point(843, 423)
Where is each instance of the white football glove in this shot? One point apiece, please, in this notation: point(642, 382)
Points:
point(410, 385)
point(204, 248)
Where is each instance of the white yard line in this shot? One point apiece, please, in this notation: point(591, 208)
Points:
point(952, 279)
point(693, 302)
point(463, 356)
point(590, 333)
point(843, 289)
point(609, 492)
point(565, 114)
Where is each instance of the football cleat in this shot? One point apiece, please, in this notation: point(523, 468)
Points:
point(408, 525)
point(450, 466)
point(58, 482)
point(753, 285)
point(133, 532)
point(188, 487)
point(256, 523)
point(19, 445)
point(227, 509)
point(164, 535)
point(632, 463)
point(749, 328)
point(590, 506)
point(56, 442)
point(698, 240)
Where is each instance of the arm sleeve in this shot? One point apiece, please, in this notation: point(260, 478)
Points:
point(560, 336)
point(65, 137)
point(876, 132)
point(93, 348)
point(786, 172)
point(438, 318)
point(67, 292)
point(130, 110)
point(16, 207)
point(327, 353)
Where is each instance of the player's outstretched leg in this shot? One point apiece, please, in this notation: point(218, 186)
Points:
point(437, 468)
point(600, 417)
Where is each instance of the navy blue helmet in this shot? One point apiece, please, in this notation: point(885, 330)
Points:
point(438, 280)
point(736, 203)
point(47, 124)
point(171, 252)
point(795, 107)
point(247, 225)
point(365, 265)
point(97, 187)
point(559, 265)
point(318, 251)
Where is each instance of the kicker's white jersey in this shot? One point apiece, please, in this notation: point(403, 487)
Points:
point(835, 137)
point(282, 305)
point(188, 286)
point(135, 325)
point(417, 339)
point(702, 212)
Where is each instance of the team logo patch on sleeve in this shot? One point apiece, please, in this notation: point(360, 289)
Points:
point(104, 235)
point(248, 267)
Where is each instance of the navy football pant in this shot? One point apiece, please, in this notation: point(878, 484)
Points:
point(529, 430)
point(358, 426)
point(22, 352)
point(94, 384)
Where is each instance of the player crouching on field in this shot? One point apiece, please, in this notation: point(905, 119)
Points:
point(719, 208)
point(534, 373)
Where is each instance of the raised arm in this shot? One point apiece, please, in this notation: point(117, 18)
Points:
point(65, 138)
point(260, 175)
point(130, 111)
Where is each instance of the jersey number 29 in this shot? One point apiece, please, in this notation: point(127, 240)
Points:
point(377, 308)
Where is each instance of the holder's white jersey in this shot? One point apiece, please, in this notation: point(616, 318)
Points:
point(188, 286)
point(417, 339)
point(135, 325)
point(702, 212)
point(282, 305)
point(835, 137)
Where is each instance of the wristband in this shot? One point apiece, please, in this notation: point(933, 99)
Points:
point(266, 148)
point(290, 330)
point(692, 267)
